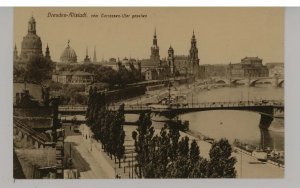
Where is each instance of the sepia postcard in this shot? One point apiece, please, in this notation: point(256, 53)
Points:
point(134, 93)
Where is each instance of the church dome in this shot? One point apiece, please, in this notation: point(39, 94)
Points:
point(31, 43)
point(68, 55)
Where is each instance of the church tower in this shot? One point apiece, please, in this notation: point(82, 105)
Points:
point(31, 43)
point(15, 53)
point(47, 53)
point(87, 58)
point(193, 56)
point(95, 56)
point(154, 49)
point(171, 60)
point(32, 25)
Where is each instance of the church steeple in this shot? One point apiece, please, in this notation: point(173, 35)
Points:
point(154, 48)
point(171, 59)
point(193, 56)
point(154, 38)
point(32, 25)
point(87, 58)
point(95, 56)
point(47, 53)
point(15, 52)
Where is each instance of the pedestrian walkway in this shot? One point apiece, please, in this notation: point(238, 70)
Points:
point(95, 165)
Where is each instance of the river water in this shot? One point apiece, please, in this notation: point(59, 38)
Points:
point(230, 124)
point(240, 125)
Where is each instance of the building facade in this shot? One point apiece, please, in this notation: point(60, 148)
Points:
point(77, 77)
point(154, 68)
point(249, 67)
point(216, 70)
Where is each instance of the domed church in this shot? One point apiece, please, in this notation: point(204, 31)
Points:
point(31, 45)
point(68, 55)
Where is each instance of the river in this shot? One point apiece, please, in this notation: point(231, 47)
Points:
point(240, 125)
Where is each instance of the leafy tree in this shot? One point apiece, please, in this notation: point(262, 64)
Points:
point(199, 169)
point(39, 69)
point(19, 73)
point(120, 147)
point(174, 136)
point(194, 152)
point(179, 168)
point(183, 147)
point(142, 137)
point(221, 164)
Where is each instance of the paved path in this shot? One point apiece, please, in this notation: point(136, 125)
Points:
point(90, 164)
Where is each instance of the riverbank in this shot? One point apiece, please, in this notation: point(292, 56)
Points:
point(246, 166)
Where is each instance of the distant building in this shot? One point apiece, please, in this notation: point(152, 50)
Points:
point(185, 65)
point(249, 67)
point(276, 69)
point(112, 63)
point(154, 68)
point(87, 59)
point(77, 77)
point(216, 70)
point(181, 63)
point(95, 56)
point(31, 46)
point(68, 57)
point(194, 60)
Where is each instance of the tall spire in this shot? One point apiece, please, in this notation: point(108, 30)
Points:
point(193, 36)
point(154, 48)
point(47, 53)
point(15, 52)
point(155, 38)
point(87, 58)
point(95, 56)
point(193, 56)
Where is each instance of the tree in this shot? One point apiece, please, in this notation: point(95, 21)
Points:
point(221, 164)
point(120, 147)
point(199, 169)
point(180, 168)
point(174, 136)
point(142, 137)
point(183, 147)
point(117, 134)
point(38, 69)
point(19, 73)
point(194, 152)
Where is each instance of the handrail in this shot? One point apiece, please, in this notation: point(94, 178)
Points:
point(30, 131)
point(277, 103)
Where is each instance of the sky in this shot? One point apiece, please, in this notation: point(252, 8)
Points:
point(223, 34)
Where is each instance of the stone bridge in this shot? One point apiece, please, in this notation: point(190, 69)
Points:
point(276, 81)
point(264, 108)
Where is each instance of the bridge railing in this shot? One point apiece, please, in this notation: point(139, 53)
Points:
point(72, 108)
point(129, 107)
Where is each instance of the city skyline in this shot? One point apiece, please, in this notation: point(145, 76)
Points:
point(133, 37)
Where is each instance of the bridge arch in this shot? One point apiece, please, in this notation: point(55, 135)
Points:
point(234, 81)
point(221, 81)
point(253, 82)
